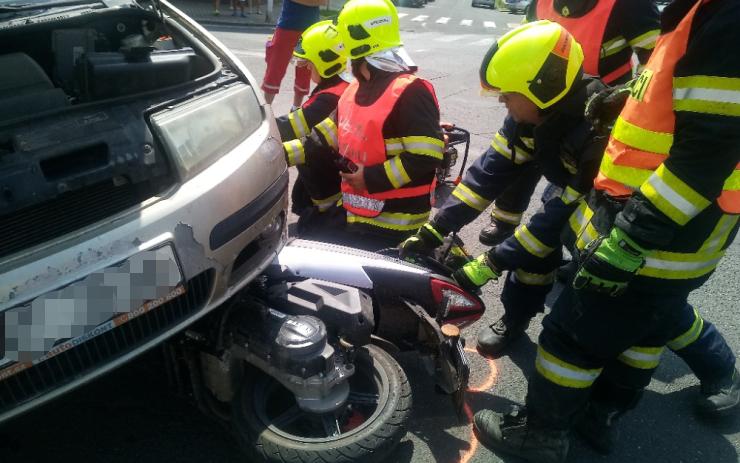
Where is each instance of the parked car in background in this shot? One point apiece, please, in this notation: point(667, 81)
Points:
point(410, 3)
point(516, 6)
point(486, 3)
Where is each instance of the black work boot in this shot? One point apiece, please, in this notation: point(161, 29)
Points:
point(598, 427)
point(721, 397)
point(496, 232)
point(493, 339)
point(512, 434)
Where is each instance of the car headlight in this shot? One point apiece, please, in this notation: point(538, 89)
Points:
point(205, 128)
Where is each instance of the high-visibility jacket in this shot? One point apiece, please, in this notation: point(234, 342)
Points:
point(360, 139)
point(608, 32)
point(394, 133)
point(684, 210)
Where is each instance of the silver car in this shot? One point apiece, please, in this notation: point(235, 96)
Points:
point(142, 183)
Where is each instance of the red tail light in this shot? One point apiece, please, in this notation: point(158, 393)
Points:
point(457, 306)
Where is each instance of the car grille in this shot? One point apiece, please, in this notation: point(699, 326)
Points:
point(105, 348)
point(68, 212)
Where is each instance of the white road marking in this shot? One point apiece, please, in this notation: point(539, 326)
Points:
point(484, 42)
point(490, 24)
point(513, 25)
point(442, 20)
point(402, 15)
point(466, 22)
point(420, 18)
point(451, 37)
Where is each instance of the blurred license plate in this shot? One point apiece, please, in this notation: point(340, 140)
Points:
point(67, 317)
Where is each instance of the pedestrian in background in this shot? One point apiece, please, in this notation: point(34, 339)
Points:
point(295, 17)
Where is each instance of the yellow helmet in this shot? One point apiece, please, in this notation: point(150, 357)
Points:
point(540, 60)
point(322, 46)
point(369, 26)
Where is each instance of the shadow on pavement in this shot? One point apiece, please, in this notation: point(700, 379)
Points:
point(672, 368)
point(129, 415)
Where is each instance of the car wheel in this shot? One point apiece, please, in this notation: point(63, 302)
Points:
point(272, 427)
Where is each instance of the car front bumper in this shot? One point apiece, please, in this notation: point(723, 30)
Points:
point(224, 226)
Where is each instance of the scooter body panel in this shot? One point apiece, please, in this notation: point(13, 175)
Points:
point(340, 264)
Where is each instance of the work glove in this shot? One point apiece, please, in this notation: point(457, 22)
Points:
point(423, 242)
point(603, 107)
point(609, 263)
point(477, 273)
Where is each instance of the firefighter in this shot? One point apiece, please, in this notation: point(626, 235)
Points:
point(664, 210)
point(534, 251)
point(386, 132)
point(537, 68)
point(316, 189)
point(609, 31)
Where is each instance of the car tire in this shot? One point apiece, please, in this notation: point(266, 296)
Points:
point(370, 441)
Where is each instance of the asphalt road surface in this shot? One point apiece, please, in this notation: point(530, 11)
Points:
point(131, 415)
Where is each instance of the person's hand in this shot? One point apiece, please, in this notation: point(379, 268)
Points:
point(355, 179)
point(477, 273)
point(423, 242)
point(609, 263)
point(603, 107)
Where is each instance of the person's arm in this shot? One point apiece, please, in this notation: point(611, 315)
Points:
point(298, 123)
point(485, 179)
point(641, 20)
point(322, 136)
point(542, 234)
point(415, 148)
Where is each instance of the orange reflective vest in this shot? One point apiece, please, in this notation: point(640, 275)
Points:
point(360, 139)
point(588, 30)
point(642, 136)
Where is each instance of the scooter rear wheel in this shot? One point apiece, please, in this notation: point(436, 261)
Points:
point(272, 427)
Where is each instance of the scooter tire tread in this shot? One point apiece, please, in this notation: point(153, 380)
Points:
point(372, 447)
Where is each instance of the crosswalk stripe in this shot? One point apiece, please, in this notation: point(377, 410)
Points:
point(466, 22)
point(489, 24)
point(451, 37)
point(484, 42)
point(420, 18)
point(513, 25)
point(402, 15)
point(442, 20)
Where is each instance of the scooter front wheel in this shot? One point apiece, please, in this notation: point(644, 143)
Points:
point(272, 427)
